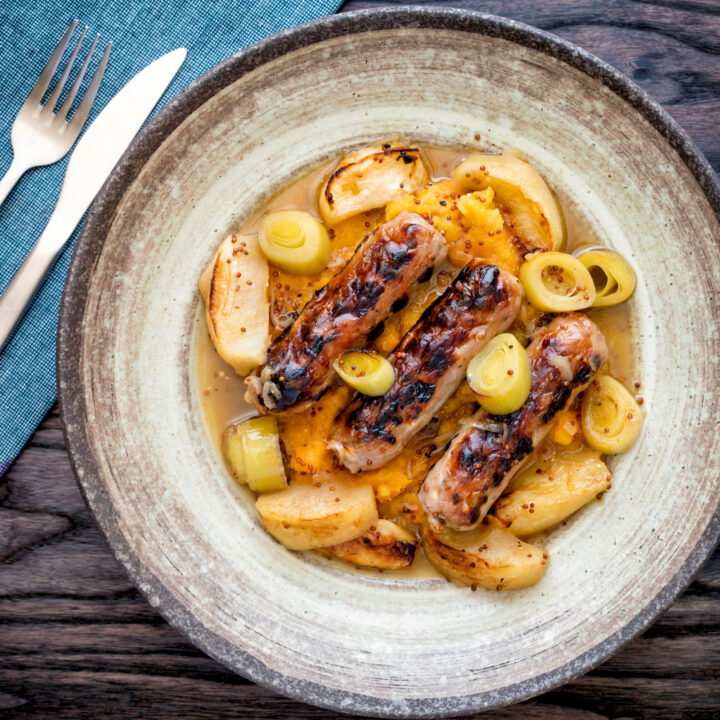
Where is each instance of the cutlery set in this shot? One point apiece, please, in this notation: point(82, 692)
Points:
point(44, 133)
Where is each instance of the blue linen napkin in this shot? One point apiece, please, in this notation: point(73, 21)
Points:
point(141, 31)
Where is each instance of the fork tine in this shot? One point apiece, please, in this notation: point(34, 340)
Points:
point(67, 104)
point(36, 94)
point(84, 107)
point(57, 90)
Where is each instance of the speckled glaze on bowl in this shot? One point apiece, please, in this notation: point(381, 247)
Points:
point(192, 542)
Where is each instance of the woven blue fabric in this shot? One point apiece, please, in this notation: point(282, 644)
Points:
point(141, 31)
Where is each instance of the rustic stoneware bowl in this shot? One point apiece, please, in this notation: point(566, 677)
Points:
point(146, 464)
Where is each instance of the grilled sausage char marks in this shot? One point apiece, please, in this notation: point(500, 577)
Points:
point(388, 262)
point(488, 451)
point(429, 364)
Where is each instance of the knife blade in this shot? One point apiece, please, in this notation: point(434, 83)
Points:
point(92, 161)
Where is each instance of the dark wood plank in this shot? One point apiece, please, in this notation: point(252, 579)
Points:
point(77, 640)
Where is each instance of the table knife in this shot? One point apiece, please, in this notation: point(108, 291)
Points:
point(94, 157)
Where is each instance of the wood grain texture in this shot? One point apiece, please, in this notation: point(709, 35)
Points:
point(77, 640)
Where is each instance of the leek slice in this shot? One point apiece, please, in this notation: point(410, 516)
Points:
point(252, 448)
point(612, 276)
point(500, 375)
point(366, 371)
point(557, 282)
point(611, 419)
point(294, 241)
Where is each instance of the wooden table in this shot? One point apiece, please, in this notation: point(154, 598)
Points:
point(77, 640)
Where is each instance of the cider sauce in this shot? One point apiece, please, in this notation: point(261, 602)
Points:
point(222, 390)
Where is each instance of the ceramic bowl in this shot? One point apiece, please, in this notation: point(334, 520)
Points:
point(149, 471)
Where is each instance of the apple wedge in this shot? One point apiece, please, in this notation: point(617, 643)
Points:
point(234, 290)
point(546, 493)
point(304, 517)
point(521, 193)
point(385, 545)
point(488, 556)
point(370, 178)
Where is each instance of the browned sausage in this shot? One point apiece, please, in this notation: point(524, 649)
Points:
point(429, 364)
point(299, 364)
point(488, 451)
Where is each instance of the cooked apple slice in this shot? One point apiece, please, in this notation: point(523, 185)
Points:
point(385, 545)
point(488, 556)
point(305, 516)
point(522, 195)
point(370, 178)
point(234, 290)
point(546, 493)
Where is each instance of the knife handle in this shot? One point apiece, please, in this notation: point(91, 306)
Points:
point(27, 280)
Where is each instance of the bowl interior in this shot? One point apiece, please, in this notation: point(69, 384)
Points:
point(192, 540)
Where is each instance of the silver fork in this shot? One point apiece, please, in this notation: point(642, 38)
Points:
point(41, 136)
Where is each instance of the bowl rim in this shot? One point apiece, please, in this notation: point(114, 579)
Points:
point(89, 245)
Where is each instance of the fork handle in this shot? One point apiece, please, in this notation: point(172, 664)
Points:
point(27, 280)
point(16, 170)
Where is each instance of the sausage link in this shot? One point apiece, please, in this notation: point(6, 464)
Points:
point(299, 364)
point(429, 364)
point(488, 451)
